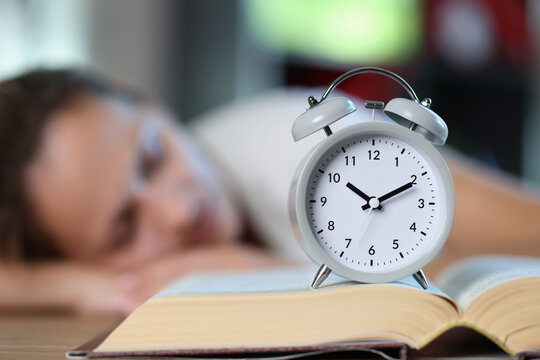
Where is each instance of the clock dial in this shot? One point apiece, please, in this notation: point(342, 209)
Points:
point(375, 203)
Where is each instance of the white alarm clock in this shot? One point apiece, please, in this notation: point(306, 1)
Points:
point(373, 202)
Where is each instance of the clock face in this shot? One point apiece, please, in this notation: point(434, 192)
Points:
point(378, 203)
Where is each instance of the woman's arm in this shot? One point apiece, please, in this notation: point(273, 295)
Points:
point(65, 285)
point(88, 289)
point(495, 213)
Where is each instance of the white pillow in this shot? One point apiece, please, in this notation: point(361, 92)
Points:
point(252, 140)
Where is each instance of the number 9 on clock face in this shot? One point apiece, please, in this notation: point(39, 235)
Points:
point(374, 202)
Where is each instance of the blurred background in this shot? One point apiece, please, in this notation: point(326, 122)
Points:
point(477, 59)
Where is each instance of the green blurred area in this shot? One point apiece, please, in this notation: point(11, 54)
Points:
point(347, 31)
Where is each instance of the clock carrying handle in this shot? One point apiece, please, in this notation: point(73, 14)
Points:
point(413, 114)
point(370, 69)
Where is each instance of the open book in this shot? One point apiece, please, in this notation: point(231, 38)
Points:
point(276, 311)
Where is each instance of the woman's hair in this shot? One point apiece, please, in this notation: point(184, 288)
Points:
point(26, 103)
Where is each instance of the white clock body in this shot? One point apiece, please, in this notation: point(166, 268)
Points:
point(374, 202)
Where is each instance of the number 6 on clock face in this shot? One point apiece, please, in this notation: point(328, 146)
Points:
point(374, 202)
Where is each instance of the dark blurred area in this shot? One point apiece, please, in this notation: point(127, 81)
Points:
point(477, 59)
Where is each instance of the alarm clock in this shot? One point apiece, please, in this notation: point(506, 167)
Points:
point(374, 201)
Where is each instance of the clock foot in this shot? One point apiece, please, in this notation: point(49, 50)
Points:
point(421, 279)
point(321, 275)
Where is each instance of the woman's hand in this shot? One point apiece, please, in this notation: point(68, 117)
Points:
point(154, 276)
point(90, 289)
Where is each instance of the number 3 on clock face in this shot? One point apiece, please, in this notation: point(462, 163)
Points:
point(374, 201)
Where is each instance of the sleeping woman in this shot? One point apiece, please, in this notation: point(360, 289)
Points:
point(103, 197)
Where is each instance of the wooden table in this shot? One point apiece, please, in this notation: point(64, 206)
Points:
point(47, 336)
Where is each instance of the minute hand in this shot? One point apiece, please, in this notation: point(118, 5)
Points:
point(392, 193)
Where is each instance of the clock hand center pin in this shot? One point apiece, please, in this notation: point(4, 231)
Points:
point(374, 203)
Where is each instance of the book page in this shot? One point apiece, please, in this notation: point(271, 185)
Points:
point(241, 282)
point(292, 279)
point(469, 278)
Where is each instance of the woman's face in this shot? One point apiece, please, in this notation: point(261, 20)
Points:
point(119, 184)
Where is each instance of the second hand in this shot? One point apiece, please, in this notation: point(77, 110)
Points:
point(373, 203)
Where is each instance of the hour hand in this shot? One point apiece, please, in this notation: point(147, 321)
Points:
point(358, 192)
